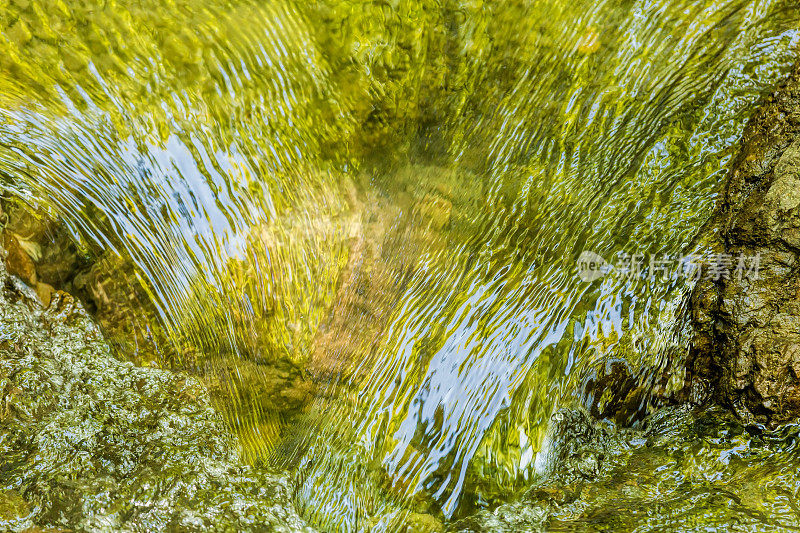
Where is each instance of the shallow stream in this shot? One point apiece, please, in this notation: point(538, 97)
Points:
point(361, 222)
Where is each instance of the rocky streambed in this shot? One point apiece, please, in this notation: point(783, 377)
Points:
point(93, 442)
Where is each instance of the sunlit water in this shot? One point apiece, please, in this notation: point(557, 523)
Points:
point(389, 198)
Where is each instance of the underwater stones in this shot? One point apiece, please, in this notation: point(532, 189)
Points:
point(45, 293)
point(73, 61)
point(19, 33)
point(746, 345)
point(18, 262)
point(43, 28)
point(572, 447)
point(259, 367)
point(613, 392)
point(434, 211)
point(276, 387)
point(59, 260)
point(589, 42)
point(37, 251)
point(684, 469)
point(91, 443)
point(110, 288)
point(45, 255)
point(420, 523)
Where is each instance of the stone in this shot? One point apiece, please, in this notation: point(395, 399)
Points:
point(20, 33)
point(573, 446)
point(421, 523)
point(611, 391)
point(746, 329)
point(435, 211)
point(14, 510)
point(29, 223)
point(73, 60)
point(589, 42)
point(45, 293)
point(86, 436)
point(18, 262)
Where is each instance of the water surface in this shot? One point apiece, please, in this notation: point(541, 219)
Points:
point(360, 221)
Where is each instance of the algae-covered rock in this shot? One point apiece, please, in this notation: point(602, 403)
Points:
point(572, 448)
point(612, 391)
point(255, 373)
point(91, 443)
point(119, 302)
point(684, 470)
point(746, 310)
point(46, 256)
point(420, 523)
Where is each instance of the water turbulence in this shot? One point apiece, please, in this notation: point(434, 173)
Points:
point(359, 221)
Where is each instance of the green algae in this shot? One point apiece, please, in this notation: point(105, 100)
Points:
point(14, 510)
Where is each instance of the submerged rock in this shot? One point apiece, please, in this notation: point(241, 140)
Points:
point(91, 443)
point(612, 391)
point(43, 253)
point(746, 346)
point(685, 470)
point(19, 262)
point(573, 446)
point(14, 510)
point(249, 352)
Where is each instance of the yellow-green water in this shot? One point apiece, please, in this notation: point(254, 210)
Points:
point(360, 221)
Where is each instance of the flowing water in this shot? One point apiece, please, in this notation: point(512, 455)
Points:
point(360, 221)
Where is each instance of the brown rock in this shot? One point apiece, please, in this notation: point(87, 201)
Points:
point(45, 293)
point(746, 344)
point(19, 263)
point(589, 42)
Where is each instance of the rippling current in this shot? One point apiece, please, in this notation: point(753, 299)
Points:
point(360, 220)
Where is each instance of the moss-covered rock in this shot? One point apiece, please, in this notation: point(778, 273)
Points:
point(746, 318)
point(256, 373)
point(685, 469)
point(94, 443)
